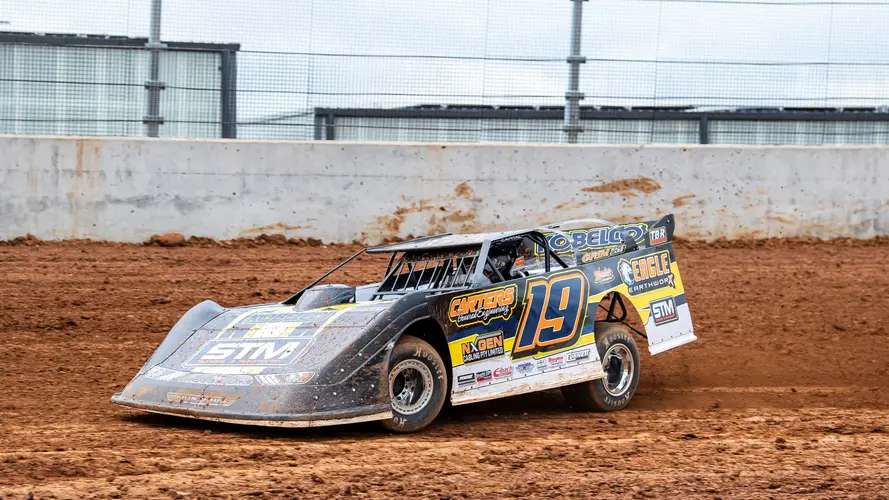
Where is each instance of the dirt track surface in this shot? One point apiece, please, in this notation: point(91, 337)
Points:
point(784, 393)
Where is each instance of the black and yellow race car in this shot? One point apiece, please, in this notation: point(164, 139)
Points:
point(467, 317)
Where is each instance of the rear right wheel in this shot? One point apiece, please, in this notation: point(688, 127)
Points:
point(620, 361)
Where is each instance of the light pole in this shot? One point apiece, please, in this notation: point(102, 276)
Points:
point(153, 119)
point(573, 96)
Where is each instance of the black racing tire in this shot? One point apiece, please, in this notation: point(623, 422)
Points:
point(621, 367)
point(418, 384)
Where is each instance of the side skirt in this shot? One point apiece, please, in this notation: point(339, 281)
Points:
point(538, 382)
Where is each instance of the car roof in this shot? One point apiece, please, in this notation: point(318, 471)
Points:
point(446, 240)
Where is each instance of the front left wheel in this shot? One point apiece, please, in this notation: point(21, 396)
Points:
point(418, 384)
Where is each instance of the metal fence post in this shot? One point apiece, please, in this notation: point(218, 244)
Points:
point(229, 94)
point(573, 96)
point(704, 130)
point(153, 119)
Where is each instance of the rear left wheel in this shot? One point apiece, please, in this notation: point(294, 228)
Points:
point(417, 385)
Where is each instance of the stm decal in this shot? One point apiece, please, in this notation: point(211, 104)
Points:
point(663, 311)
point(263, 339)
point(646, 273)
point(252, 352)
point(483, 307)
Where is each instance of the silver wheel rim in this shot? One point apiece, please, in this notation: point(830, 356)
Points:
point(618, 365)
point(410, 386)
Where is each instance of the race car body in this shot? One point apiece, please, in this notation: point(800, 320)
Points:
point(465, 317)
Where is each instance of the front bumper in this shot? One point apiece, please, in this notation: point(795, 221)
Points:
point(311, 419)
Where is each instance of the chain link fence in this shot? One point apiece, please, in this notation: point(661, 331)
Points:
point(649, 71)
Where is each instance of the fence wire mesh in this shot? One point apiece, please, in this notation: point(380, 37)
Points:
point(655, 71)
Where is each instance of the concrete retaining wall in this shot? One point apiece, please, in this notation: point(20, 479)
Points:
point(129, 189)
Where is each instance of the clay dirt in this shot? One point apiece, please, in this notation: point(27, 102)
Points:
point(783, 394)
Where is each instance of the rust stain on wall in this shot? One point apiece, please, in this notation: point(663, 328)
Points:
point(678, 202)
point(626, 187)
point(459, 216)
point(463, 190)
point(276, 225)
point(440, 214)
point(782, 220)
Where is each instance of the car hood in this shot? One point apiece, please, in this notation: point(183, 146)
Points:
point(268, 344)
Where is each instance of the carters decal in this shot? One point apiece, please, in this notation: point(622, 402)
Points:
point(483, 307)
point(663, 311)
point(483, 348)
point(649, 272)
point(597, 237)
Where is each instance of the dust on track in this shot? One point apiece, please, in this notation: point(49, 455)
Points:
point(782, 394)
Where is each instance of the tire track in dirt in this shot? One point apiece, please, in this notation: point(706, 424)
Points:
point(783, 393)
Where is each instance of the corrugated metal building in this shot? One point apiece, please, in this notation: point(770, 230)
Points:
point(607, 125)
point(95, 85)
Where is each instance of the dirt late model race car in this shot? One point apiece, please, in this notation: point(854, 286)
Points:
point(468, 317)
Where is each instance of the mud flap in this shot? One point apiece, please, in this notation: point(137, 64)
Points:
point(663, 310)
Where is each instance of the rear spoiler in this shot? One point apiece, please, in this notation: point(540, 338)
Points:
point(594, 236)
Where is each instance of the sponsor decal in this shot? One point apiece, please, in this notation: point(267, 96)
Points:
point(161, 373)
point(525, 368)
point(466, 379)
point(250, 352)
point(263, 339)
point(489, 346)
point(657, 236)
point(583, 239)
point(273, 317)
point(578, 356)
point(297, 378)
point(197, 399)
point(603, 275)
point(601, 253)
point(557, 360)
point(483, 376)
point(646, 273)
point(663, 311)
point(216, 379)
point(503, 372)
point(483, 307)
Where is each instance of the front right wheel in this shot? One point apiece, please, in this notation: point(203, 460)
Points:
point(620, 361)
point(418, 384)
